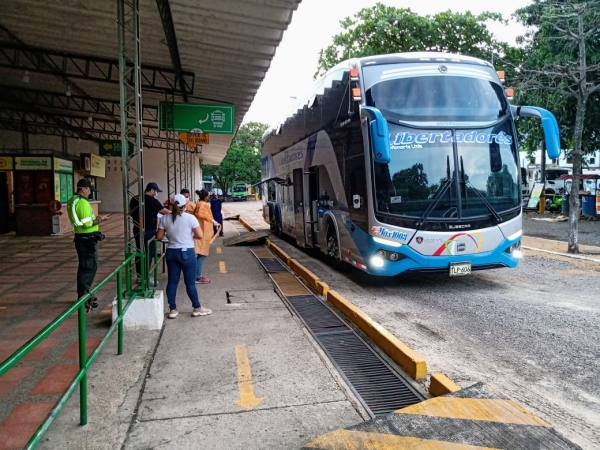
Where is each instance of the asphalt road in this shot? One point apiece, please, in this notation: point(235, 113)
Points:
point(532, 333)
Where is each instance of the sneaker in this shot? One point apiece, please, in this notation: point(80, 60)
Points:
point(202, 280)
point(173, 314)
point(91, 304)
point(202, 311)
point(151, 281)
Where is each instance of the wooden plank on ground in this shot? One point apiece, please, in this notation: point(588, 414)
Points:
point(246, 238)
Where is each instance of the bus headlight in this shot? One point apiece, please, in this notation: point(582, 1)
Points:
point(377, 261)
point(515, 250)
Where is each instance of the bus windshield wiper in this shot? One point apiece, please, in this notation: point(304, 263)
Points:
point(470, 185)
point(438, 195)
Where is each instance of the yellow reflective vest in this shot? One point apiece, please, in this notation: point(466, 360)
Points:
point(81, 215)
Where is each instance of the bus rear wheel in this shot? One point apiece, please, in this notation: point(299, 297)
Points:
point(333, 247)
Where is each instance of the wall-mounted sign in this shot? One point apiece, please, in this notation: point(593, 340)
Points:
point(63, 165)
point(33, 163)
point(6, 163)
point(195, 117)
point(98, 166)
point(194, 139)
point(113, 148)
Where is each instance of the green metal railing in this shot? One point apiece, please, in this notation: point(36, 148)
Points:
point(84, 361)
point(157, 260)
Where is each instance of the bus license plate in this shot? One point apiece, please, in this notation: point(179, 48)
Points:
point(460, 269)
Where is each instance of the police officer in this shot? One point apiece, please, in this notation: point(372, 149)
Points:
point(87, 235)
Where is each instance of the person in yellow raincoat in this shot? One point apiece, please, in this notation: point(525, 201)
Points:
point(202, 246)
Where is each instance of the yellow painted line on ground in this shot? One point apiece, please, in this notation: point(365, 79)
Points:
point(222, 267)
point(360, 440)
point(219, 250)
point(247, 398)
point(488, 409)
point(106, 311)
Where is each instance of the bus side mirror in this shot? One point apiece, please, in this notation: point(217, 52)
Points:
point(549, 123)
point(380, 135)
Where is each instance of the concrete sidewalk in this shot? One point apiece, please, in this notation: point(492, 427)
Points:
point(248, 376)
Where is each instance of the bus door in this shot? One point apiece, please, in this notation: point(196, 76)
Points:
point(298, 185)
point(311, 211)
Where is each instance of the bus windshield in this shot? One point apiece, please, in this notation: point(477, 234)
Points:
point(239, 188)
point(439, 99)
point(448, 174)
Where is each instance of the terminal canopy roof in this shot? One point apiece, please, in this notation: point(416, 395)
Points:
point(59, 69)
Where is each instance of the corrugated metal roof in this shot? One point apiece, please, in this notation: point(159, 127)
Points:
point(227, 44)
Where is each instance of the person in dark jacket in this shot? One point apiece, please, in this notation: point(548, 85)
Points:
point(152, 207)
point(215, 207)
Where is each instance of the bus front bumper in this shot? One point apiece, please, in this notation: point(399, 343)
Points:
point(507, 254)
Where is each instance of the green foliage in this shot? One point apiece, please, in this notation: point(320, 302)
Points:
point(383, 29)
point(242, 161)
point(549, 69)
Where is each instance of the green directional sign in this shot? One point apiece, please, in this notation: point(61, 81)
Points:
point(113, 148)
point(196, 118)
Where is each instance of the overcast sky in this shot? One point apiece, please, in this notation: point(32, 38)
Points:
point(316, 22)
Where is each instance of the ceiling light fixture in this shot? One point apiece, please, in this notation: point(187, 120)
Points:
point(68, 93)
point(26, 77)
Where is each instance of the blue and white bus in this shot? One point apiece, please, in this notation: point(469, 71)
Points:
point(402, 162)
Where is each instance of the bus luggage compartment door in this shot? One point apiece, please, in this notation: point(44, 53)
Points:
point(311, 200)
point(298, 187)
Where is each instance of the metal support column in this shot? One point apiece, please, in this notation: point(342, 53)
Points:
point(181, 156)
point(130, 82)
point(171, 164)
point(193, 186)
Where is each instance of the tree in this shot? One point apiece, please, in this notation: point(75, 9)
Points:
point(383, 29)
point(563, 65)
point(242, 161)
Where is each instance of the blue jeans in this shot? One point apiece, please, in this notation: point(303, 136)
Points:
point(179, 260)
point(199, 264)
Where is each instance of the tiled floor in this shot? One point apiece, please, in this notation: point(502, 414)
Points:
point(38, 279)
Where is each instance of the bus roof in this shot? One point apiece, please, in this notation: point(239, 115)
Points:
point(420, 57)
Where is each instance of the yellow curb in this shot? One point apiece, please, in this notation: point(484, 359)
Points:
point(304, 273)
point(440, 384)
point(246, 224)
point(406, 358)
point(279, 252)
point(322, 288)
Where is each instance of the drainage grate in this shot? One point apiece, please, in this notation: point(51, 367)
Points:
point(314, 313)
point(272, 265)
point(379, 387)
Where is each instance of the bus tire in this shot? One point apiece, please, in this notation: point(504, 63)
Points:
point(333, 246)
point(279, 226)
point(272, 220)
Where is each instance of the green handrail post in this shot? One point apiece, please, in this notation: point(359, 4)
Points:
point(155, 263)
point(128, 283)
point(144, 274)
point(82, 365)
point(120, 311)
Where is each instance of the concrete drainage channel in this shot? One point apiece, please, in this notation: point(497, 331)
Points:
point(378, 387)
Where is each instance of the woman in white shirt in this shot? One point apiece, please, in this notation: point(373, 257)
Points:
point(182, 229)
